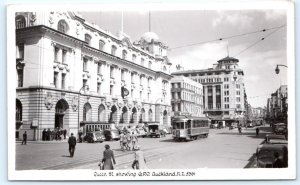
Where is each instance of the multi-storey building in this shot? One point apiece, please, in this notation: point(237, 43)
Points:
point(223, 89)
point(70, 74)
point(277, 105)
point(186, 96)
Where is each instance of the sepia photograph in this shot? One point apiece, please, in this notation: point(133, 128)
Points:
point(151, 91)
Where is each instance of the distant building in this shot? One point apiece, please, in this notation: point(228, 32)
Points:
point(73, 75)
point(223, 90)
point(186, 96)
point(277, 105)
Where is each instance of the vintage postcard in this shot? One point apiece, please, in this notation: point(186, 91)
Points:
point(155, 91)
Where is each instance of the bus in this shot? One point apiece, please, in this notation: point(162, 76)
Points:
point(187, 128)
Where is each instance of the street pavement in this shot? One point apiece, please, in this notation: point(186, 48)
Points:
point(223, 148)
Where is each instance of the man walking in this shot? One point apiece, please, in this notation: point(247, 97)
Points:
point(72, 144)
point(24, 138)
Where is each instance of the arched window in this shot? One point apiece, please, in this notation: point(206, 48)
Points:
point(87, 112)
point(149, 64)
point(18, 110)
point(101, 113)
point(142, 61)
point(101, 45)
point(87, 38)
point(20, 22)
point(133, 58)
point(113, 50)
point(113, 114)
point(124, 54)
point(150, 115)
point(62, 26)
point(142, 115)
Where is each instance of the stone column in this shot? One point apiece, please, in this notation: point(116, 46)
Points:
point(214, 96)
point(206, 97)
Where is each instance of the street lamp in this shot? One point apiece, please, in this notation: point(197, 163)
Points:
point(79, 103)
point(277, 68)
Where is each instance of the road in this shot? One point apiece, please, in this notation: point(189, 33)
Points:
point(222, 149)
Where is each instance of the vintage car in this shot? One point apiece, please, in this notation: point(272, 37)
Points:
point(275, 139)
point(265, 155)
point(112, 134)
point(155, 130)
point(141, 132)
point(92, 137)
point(280, 128)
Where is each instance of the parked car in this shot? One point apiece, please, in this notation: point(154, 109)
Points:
point(112, 135)
point(214, 125)
point(155, 130)
point(265, 155)
point(92, 137)
point(280, 128)
point(141, 132)
point(275, 139)
point(233, 125)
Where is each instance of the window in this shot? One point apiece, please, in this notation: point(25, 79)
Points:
point(133, 58)
point(20, 51)
point(132, 77)
point(141, 80)
point(98, 87)
point(122, 75)
point(85, 63)
point(20, 77)
point(238, 106)
point(62, 26)
point(63, 80)
point(113, 50)
point(87, 39)
point(124, 54)
point(238, 99)
point(56, 50)
point(55, 79)
point(142, 62)
point(149, 64)
point(111, 90)
point(64, 56)
point(141, 94)
point(111, 72)
point(99, 67)
point(148, 82)
point(132, 92)
point(84, 84)
point(238, 92)
point(20, 22)
point(87, 112)
point(101, 45)
point(226, 106)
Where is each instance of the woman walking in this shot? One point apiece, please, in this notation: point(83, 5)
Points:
point(139, 161)
point(108, 158)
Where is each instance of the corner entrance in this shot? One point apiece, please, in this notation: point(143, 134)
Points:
point(60, 110)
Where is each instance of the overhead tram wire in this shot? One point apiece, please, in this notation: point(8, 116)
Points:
point(229, 37)
point(262, 39)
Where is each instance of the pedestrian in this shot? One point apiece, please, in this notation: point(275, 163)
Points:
point(44, 135)
point(257, 131)
point(240, 129)
point(72, 144)
point(139, 161)
point(24, 138)
point(108, 158)
point(278, 163)
point(48, 137)
point(128, 137)
point(65, 133)
point(122, 143)
point(134, 140)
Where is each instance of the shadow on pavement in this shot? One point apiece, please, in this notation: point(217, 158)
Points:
point(251, 161)
point(248, 134)
point(66, 156)
point(169, 140)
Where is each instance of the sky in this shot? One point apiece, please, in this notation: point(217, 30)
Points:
point(185, 27)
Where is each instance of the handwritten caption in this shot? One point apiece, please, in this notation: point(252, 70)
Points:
point(144, 174)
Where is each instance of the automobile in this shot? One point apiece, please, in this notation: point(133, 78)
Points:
point(280, 128)
point(155, 130)
point(233, 125)
point(214, 125)
point(141, 132)
point(275, 139)
point(112, 134)
point(92, 137)
point(265, 155)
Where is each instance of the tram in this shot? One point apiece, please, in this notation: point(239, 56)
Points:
point(186, 128)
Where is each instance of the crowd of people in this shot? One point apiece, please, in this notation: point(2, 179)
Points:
point(55, 134)
point(129, 140)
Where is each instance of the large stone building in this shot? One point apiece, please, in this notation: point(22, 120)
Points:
point(70, 74)
point(186, 96)
point(277, 105)
point(223, 90)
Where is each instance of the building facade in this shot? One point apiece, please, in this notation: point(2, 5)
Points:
point(72, 74)
point(186, 97)
point(277, 105)
point(223, 90)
